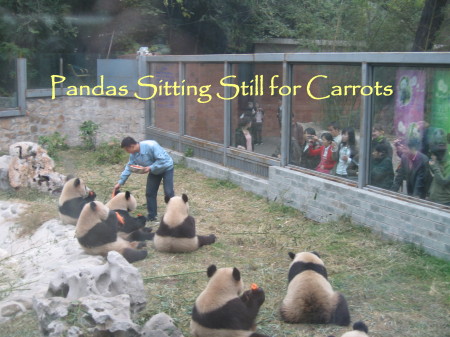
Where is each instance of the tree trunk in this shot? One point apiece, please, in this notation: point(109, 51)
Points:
point(430, 21)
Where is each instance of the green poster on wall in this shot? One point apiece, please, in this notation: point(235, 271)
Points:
point(440, 104)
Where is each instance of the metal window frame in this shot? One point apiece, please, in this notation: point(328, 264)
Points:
point(367, 62)
point(20, 110)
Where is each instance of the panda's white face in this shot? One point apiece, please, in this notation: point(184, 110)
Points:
point(91, 214)
point(177, 211)
point(123, 201)
point(223, 286)
point(307, 257)
point(223, 279)
point(75, 188)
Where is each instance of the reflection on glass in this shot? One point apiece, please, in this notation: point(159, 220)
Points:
point(325, 132)
point(257, 104)
point(8, 84)
point(204, 109)
point(166, 107)
point(411, 132)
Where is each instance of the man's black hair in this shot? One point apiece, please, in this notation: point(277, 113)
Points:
point(127, 141)
point(334, 125)
point(310, 131)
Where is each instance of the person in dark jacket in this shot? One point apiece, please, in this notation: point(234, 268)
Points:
point(378, 137)
point(414, 169)
point(307, 161)
point(381, 169)
point(242, 137)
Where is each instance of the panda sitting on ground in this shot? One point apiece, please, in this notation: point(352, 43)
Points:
point(310, 297)
point(132, 228)
point(359, 330)
point(96, 232)
point(176, 232)
point(75, 194)
point(219, 311)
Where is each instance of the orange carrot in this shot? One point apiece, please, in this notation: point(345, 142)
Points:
point(120, 218)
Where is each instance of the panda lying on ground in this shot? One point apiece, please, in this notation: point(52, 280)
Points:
point(219, 311)
point(359, 330)
point(75, 194)
point(310, 297)
point(176, 232)
point(130, 228)
point(96, 232)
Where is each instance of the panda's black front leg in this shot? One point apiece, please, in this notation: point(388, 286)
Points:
point(141, 235)
point(253, 299)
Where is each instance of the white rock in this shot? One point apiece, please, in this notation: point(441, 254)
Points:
point(115, 277)
point(160, 325)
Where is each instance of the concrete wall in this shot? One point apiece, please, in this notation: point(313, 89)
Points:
point(118, 117)
point(323, 200)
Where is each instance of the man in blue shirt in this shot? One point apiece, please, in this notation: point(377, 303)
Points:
point(158, 164)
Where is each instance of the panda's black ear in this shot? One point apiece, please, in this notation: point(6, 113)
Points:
point(127, 195)
point(211, 270)
point(93, 205)
point(315, 253)
point(185, 198)
point(236, 274)
point(291, 255)
point(77, 182)
point(166, 198)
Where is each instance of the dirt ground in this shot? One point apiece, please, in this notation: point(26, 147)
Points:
point(396, 289)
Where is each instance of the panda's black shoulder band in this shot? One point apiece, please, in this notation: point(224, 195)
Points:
point(299, 267)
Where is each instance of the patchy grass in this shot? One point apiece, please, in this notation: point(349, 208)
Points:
point(397, 289)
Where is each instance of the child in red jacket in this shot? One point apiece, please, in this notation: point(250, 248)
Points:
point(325, 152)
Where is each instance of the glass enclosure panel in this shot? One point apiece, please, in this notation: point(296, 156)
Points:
point(40, 68)
point(165, 107)
point(255, 115)
point(325, 119)
point(411, 132)
point(79, 69)
point(204, 110)
point(8, 84)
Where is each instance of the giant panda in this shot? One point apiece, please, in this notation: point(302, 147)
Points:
point(130, 228)
point(74, 195)
point(310, 297)
point(96, 232)
point(221, 311)
point(176, 232)
point(359, 330)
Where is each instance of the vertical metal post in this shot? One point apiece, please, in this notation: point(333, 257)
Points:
point(61, 73)
point(143, 91)
point(22, 85)
point(285, 115)
point(365, 127)
point(227, 112)
point(181, 105)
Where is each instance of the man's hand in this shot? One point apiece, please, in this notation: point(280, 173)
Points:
point(115, 189)
point(147, 169)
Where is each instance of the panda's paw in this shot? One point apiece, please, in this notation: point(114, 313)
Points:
point(147, 229)
point(141, 220)
point(91, 196)
point(259, 295)
point(254, 296)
